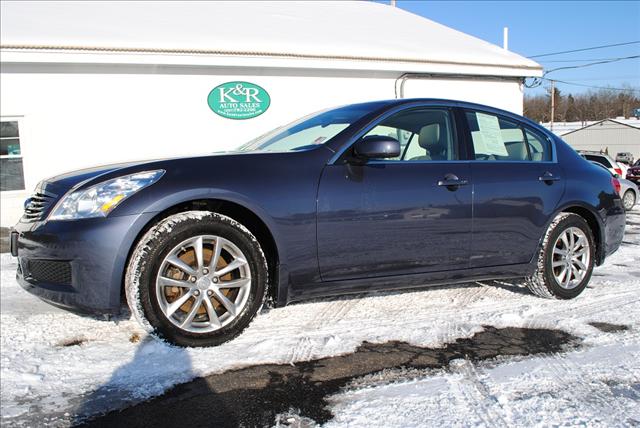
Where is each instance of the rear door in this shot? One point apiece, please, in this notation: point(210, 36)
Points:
point(517, 185)
point(398, 216)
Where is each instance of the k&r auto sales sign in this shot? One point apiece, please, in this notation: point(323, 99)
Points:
point(238, 100)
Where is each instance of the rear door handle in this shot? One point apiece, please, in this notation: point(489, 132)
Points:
point(548, 177)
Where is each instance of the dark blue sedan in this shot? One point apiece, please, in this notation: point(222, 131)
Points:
point(380, 195)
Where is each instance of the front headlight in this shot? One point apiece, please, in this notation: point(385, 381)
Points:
point(101, 199)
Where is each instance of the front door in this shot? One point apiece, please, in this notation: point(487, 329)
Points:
point(411, 214)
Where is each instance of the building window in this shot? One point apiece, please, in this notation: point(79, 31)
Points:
point(11, 172)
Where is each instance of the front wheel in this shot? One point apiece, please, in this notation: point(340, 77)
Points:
point(566, 260)
point(196, 279)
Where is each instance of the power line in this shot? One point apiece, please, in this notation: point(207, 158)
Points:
point(580, 79)
point(592, 63)
point(537, 81)
point(586, 49)
point(591, 86)
point(577, 60)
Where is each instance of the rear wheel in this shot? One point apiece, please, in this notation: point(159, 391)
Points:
point(628, 199)
point(196, 279)
point(566, 260)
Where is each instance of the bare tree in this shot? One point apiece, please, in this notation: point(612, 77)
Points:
point(590, 105)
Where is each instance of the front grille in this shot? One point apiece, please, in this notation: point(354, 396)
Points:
point(37, 206)
point(49, 271)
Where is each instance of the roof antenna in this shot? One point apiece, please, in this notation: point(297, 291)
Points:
point(505, 38)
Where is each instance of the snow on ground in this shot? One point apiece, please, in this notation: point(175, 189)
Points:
point(57, 367)
point(599, 386)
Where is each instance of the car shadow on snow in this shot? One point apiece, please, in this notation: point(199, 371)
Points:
point(260, 395)
point(154, 368)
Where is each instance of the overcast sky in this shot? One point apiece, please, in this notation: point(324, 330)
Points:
point(540, 27)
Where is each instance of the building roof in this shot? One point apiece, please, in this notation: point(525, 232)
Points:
point(347, 34)
point(564, 128)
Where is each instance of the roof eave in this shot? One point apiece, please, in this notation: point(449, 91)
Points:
point(16, 53)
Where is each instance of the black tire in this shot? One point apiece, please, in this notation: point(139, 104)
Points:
point(152, 249)
point(543, 282)
point(629, 194)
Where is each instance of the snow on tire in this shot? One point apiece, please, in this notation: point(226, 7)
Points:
point(196, 279)
point(566, 259)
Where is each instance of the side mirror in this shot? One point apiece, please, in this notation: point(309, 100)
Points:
point(377, 146)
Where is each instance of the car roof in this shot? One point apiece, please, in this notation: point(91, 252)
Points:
point(462, 104)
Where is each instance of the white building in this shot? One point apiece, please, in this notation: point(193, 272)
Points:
point(99, 82)
point(611, 135)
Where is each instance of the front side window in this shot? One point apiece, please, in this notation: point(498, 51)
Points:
point(11, 171)
point(424, 134)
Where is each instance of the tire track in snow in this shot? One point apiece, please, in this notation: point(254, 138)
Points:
point(585, 384)
point(477, 396)
point(332, 313)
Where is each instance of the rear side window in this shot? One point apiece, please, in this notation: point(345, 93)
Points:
point(539, 146)
point(498, 139)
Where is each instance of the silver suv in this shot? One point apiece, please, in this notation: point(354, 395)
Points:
point(625, 157)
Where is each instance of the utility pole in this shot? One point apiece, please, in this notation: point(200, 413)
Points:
point(553, 104)
point(392, 3)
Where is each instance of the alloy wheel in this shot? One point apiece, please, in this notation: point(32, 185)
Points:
point(571, 258)
point(203, 284)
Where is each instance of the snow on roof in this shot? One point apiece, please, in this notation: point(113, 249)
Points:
point(563, 128)
point(347, 31)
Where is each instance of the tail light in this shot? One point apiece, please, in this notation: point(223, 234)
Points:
point(618, 171)
point(616, 184)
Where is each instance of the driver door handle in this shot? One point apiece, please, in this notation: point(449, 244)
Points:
point(451, 181)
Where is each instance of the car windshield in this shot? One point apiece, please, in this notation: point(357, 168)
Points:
point(308, 132)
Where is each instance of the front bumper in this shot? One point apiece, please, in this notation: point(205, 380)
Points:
point(78, 265)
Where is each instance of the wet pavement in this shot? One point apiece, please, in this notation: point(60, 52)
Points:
point(257, 395)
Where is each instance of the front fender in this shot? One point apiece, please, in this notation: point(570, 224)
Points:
point(167, 201)
point(177, 198)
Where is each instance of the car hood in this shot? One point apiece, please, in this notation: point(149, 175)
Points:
point(62, 183)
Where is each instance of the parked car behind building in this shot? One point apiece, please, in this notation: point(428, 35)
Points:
point(633, 173)
point(625, 157)
point(605, 160)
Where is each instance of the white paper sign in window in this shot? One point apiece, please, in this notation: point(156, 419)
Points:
point(491, 136)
